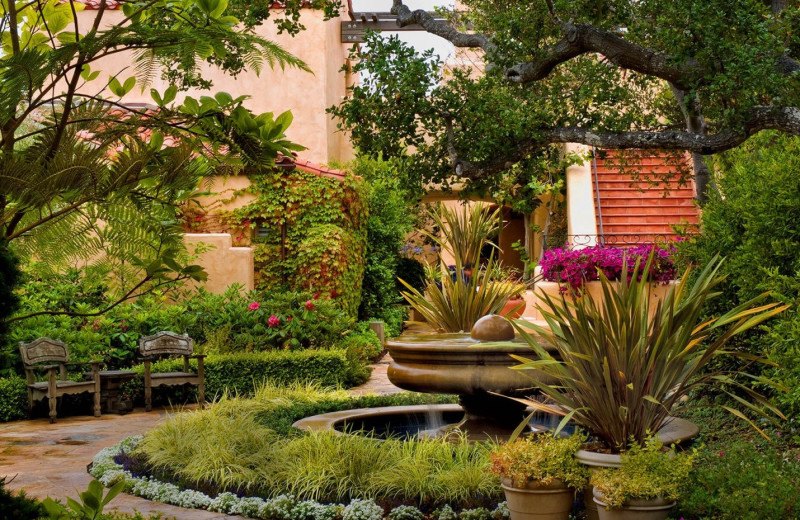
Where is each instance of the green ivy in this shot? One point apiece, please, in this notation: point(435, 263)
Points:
point(316, 233)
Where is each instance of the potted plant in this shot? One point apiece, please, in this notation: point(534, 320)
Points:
point(540, 475)
point(645, 486)
point(621, 369)
point(621, 364)
point(455, 297)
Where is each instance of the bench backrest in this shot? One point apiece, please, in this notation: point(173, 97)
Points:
point(43, 350)
point(166, 343)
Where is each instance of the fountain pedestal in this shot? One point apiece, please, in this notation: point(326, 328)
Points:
point(459, 364)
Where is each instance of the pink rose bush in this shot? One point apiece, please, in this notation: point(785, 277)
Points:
point(574, 267)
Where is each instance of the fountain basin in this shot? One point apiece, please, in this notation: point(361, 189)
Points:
point(477, 373)
point(455, 364)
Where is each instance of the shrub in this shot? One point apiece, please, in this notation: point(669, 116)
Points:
point(574, 267)
point(646, 472)
point(13, 399)
point(243, 372)
point(541, 458)
point(17, 505)
point(753, 222)
point(741, 481)
point(391, 218)
point(225, 322)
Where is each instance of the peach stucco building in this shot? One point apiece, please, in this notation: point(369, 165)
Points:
point(600, 201)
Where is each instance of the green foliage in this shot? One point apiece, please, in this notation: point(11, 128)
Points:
point(237, 445)
point(316, 233)
point(542, 459)
point(243, 372)
point(88, 179)
point(454, 301)
point(13, 398)
point(220, 323)
point(17, 505)
point(645, 356)
point(755, 226)
point(392, 208)
point(9, 278)
point(730, 479)
point(489, 124)
point(647, 472)
point(89, 508)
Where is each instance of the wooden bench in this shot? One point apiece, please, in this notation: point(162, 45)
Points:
point(167, 344)
point(45, 350)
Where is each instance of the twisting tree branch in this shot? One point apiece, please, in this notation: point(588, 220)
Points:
point(786, 119)
point(406, 16)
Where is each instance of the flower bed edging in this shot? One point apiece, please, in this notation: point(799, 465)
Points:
point(283, 507)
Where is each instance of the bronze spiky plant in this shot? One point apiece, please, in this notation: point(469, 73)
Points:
point(621, 367)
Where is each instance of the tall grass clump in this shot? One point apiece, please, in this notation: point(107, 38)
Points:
point(224, 446)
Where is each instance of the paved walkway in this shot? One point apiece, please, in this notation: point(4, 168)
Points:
point(378, 382)
point(50, 459)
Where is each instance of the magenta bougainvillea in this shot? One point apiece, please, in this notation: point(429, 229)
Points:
point(574, 267)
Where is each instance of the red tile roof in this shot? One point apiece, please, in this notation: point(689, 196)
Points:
point(291, 163)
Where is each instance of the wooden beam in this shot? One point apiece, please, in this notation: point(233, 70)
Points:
point(352, 31)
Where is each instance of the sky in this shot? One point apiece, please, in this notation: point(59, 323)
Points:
point(420, 40)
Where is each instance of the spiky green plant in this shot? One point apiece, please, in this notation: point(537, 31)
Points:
point(621, 368)
point(465, 230)
point(453, 302)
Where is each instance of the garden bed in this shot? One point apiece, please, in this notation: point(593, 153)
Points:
point(243, 457)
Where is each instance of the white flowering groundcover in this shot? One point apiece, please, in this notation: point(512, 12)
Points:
point(282, 507)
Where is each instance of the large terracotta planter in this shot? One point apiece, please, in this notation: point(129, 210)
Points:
point(637, 509)
point(510, 309)
point(535, 298)
point(539, 502)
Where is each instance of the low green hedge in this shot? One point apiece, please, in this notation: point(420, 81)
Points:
point(13, 399)
point(240, 373)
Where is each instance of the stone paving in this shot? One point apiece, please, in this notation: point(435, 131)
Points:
point(50, 459)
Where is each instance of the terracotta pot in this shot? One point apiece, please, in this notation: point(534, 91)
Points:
point(539, 502)
point(510, 308)
point(636, 509)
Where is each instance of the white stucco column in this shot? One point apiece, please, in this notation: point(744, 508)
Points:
point(581, 212)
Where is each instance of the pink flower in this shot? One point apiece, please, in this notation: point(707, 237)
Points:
point(273, 321)
point(310, 305)
point(721, 453)
point(254, 306)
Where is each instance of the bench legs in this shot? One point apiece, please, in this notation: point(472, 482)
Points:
point(52, 401)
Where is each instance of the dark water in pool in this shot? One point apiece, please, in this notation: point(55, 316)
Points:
point(409, 425)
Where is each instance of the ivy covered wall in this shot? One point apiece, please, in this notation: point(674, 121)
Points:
point(307, 231)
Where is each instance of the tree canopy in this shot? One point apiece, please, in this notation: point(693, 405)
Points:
point(700, 76)
point(85, 176)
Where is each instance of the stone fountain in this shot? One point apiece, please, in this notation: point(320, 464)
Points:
point(479, 374)
point(463, 365)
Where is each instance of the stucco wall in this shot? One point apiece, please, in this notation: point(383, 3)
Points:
point(224, 264)
point(306, 94)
